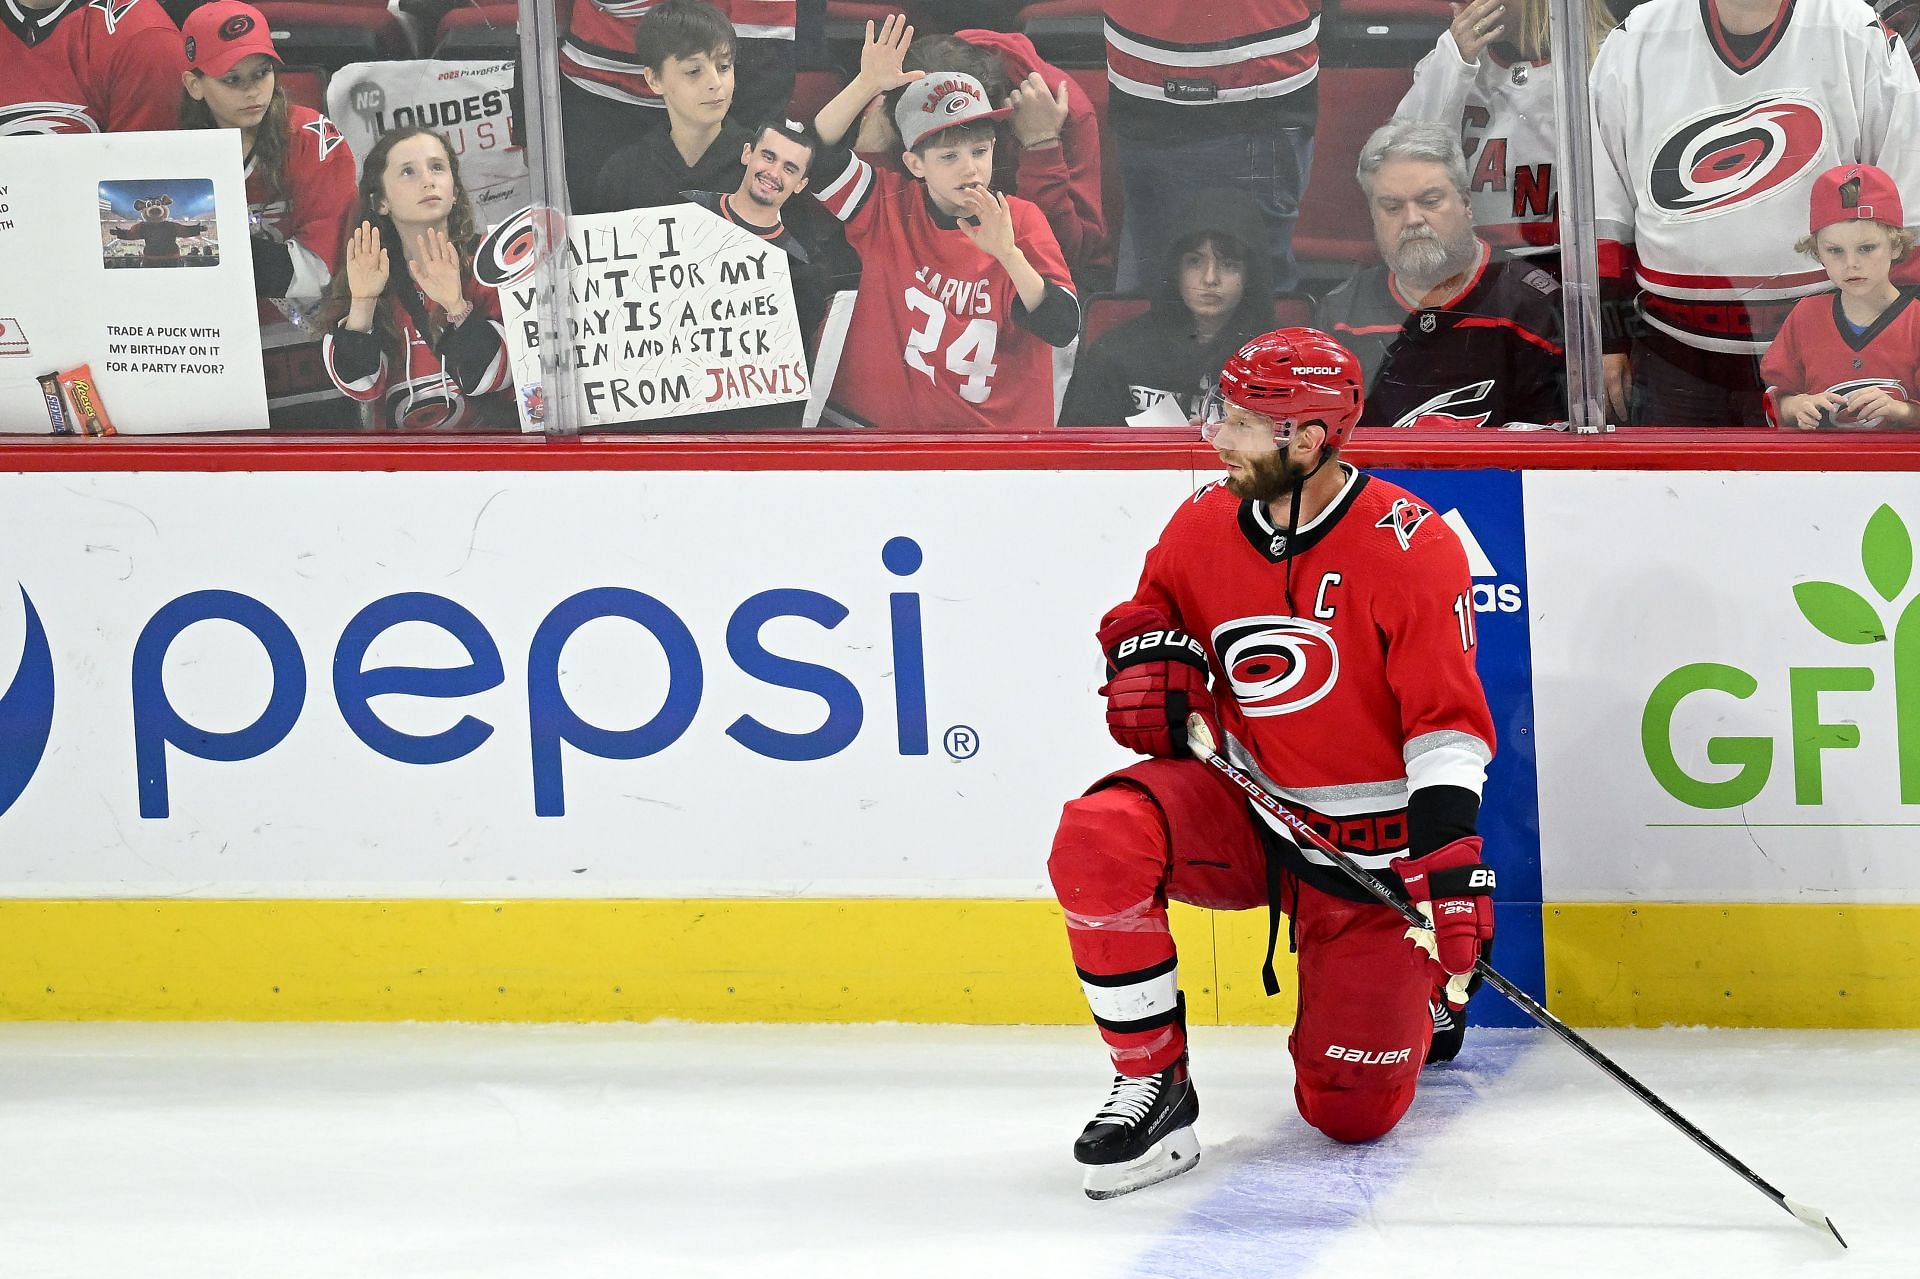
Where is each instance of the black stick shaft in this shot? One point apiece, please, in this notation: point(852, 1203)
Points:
point(1525, 1002)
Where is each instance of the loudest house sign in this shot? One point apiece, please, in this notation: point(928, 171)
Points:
point(669, 312)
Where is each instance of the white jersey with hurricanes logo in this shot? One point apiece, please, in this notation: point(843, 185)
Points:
point(1706, 146)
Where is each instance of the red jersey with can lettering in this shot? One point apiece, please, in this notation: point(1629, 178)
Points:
point(1361, 691)
point(311, 218)
point(89, 66)
point(598, 52)
point(1818, 350)
point(935, 342)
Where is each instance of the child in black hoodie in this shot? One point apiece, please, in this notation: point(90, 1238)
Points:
point(1215, 292)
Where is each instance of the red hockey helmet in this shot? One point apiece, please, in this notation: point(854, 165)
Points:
point(1294, 376)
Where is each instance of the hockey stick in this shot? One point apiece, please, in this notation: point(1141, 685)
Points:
point(1200, 741)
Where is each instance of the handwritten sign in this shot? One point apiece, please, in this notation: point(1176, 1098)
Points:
point(671, 312)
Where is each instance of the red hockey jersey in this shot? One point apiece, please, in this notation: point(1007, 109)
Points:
point(1817, 350)
point(1182, 56)
point(934, 343)
point(598, 53)
point(1365, 695)
point(312, 217)
point(452, 389)
point(89, 66)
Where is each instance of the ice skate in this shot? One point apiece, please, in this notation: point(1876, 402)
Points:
point(1143, 1134)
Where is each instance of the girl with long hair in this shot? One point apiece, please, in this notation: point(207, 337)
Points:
point(411, 329)
point(299, 169)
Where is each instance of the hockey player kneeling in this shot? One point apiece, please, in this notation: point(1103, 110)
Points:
point(1321, 621)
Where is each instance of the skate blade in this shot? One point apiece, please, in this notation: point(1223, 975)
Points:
point(1172, 1155)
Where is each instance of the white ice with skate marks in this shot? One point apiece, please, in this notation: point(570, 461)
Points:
point(903, 1151)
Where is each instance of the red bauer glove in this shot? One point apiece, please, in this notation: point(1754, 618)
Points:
point(1156, 677)
point(1452, 887)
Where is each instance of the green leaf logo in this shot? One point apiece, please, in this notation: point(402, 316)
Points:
point(1886, 552)
point(1839, 613)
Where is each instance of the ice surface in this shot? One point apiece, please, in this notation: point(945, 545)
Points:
point(282, 1152)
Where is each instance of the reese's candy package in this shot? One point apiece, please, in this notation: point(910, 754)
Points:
point(84, 395)
point(56, 404)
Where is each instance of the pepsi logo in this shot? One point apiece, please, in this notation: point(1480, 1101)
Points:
point(26, 709)
point(1732, 156)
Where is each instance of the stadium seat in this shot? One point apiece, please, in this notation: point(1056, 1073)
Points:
point(335, 34)
point(1093, 81)
point(1380, 33)
point(488, 31)
point(1335, 232)
point(1106, 312)
point(811, 91)
point(1067, 33)
point(305, 86)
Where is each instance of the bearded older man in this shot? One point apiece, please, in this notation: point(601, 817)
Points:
point(1450, 331)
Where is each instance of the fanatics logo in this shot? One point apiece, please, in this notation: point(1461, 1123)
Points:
point(13, 339)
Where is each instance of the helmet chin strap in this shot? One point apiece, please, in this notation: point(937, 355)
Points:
point(1293, 519)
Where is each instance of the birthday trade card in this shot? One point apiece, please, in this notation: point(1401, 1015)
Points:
point(126, 254)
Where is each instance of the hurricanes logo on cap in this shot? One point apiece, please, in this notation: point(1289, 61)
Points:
point(1732, 156)
point(235, 27)
point(1277, 665)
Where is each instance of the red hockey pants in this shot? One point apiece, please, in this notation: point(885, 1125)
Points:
point(1172, 829)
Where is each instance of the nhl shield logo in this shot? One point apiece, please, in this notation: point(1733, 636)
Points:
point(1278, 546)
point(1428, 322)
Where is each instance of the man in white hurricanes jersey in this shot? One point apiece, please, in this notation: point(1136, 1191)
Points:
point(1712, 118)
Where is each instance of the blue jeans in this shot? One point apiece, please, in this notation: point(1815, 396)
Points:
point(1160, 178)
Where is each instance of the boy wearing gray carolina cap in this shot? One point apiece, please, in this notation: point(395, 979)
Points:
point(963, 289)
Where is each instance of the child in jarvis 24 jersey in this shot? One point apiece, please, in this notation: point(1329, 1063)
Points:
point(1850, 359)
point(963, 290)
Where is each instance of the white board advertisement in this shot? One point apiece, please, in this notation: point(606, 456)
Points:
point(1727, 685)
point(125, 265)
point(670, 312)
point(555, 684)
point(466, 101)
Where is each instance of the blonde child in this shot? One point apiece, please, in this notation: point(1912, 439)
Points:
point(1847, 359)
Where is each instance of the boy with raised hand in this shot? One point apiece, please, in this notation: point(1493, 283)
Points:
point(686, 48)
point(963, 289)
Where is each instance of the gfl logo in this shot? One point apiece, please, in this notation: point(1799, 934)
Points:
point(163, 731)
point(26, 708)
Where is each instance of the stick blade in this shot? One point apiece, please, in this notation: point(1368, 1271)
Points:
point(1813, 1217)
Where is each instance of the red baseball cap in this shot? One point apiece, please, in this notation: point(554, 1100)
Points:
point(1854, 192)
point(220, 34)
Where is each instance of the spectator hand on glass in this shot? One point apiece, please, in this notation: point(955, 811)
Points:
point(437, 272)
point(1476, 25)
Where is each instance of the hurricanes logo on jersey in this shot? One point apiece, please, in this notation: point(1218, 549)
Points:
point(24, 118)
point(1403, 518)
point(1277, 665)
point(1451, 409)
point(113, 11)
point(1846, 390)
point(1732, 155)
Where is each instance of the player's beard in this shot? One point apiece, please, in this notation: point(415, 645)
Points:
point(1423, 259)
point(1268, 476)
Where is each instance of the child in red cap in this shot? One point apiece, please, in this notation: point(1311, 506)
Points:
point(1847, 359)
point(300, 182)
